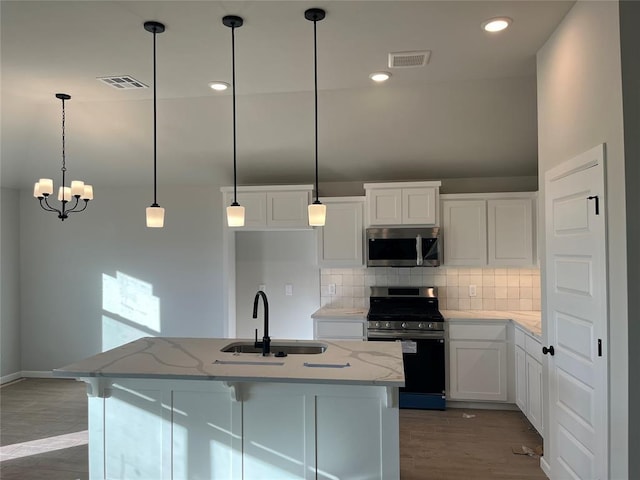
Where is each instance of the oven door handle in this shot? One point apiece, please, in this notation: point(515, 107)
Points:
point(419, 250)
point(434, 335)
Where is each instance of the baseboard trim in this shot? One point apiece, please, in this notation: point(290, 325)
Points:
point(481, 405)
point(37, 374)
point(10, 378)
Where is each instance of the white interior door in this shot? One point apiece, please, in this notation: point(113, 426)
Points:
point(576, 299)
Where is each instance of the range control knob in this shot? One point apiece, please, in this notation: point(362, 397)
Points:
point(377, 324)
point(431, 325)
point(421, 325)
point(404, 325)
point(387, 325)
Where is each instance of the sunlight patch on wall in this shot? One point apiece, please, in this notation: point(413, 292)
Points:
point(136, 311)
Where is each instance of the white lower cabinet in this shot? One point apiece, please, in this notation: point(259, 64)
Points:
point(478, 367)
point(183, 429)
point(529, 377)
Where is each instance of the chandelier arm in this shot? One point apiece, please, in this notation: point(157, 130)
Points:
point(86, 202)
point(48, 207)
point(72, 209)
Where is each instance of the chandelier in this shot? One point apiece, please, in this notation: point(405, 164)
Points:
point(78, 190)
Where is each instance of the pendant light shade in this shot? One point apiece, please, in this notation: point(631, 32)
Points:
point(317, 211)
point(77, 191)
point(235, 212)
point(155, 213)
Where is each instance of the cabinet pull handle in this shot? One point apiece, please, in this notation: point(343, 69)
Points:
point(549, 350)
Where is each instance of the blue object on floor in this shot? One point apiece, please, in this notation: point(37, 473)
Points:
point(423, 401)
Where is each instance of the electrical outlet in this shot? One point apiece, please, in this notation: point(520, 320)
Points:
point(472, 290)
point(262, 287)
point(332, 289)
point(288, 289)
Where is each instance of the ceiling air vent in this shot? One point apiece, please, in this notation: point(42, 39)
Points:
point(122, 82)
point(409, 59)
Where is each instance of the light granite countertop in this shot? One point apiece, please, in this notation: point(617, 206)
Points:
point(346, 313)
point(343, 362)
point(528, 320)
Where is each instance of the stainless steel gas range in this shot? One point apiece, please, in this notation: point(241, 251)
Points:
point(410, 315)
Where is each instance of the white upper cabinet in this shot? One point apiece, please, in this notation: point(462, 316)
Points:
point(406, 203)
point(510, 231)
point(272, 207)
point(340, 240)
point(495, 229)
point(464, 227)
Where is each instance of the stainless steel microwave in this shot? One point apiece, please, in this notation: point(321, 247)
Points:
point(403, 247)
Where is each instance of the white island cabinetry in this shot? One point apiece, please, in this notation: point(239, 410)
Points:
point(182, 409)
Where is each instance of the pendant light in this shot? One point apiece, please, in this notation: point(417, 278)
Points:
point(235, 212)
point(78, 190)
point(155, 213)
point(317, 211)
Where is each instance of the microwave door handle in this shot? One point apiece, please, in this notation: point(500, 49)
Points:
point(418, 249)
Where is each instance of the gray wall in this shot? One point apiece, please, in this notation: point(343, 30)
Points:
point(579, 107)
point(67, 266)
point(9, 283)
point(630, 39)
point(276, 259)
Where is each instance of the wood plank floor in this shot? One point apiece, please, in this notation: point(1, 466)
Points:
point(43, 425)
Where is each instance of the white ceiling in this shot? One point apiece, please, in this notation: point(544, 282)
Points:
point(470, 112)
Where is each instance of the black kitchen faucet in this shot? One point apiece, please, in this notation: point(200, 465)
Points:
point(266, 341)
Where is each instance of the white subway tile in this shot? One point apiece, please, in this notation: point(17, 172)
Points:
point(452, 304)
point(488, 303)
point(526, 292)
point(526, 304)
point(476, 304)
point(526, 280)
point(452, 280)
point(501, 304)
point(489, 280)
point(500, 271)
point(513, 304)
point(501, 280)
point(513, 292)
point(501, 292)
point(464, 303)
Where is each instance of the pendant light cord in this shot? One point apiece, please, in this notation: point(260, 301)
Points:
point(315, 78)
point(233, 81)
point(155, 125)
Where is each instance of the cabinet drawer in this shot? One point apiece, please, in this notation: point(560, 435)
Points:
point(340, 329)
point(533, 348)
point(478, 332)
point(519, 338)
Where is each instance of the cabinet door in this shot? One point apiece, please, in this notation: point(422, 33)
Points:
point(385, 206)
point(419, 206)
point(521, 379)
point(340, 240)
point(534, 389)
point(477, 370)
point(464, 229)
point(510, 231)
point(287, 209)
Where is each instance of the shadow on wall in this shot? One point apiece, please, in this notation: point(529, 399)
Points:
point(136, 311)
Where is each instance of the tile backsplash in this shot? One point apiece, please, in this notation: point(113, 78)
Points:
point(495, 288)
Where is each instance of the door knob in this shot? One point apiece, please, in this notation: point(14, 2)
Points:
point(549, 350)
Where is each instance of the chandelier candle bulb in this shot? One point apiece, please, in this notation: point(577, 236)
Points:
point(46, 186)
point(36, 190)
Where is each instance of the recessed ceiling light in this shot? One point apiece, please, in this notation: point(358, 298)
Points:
point(496, 24)
point(218, 86)
point(380, 77)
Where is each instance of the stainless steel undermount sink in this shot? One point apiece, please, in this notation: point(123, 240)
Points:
point(277, 347)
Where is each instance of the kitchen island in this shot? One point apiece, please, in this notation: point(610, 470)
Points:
point(181, 408)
